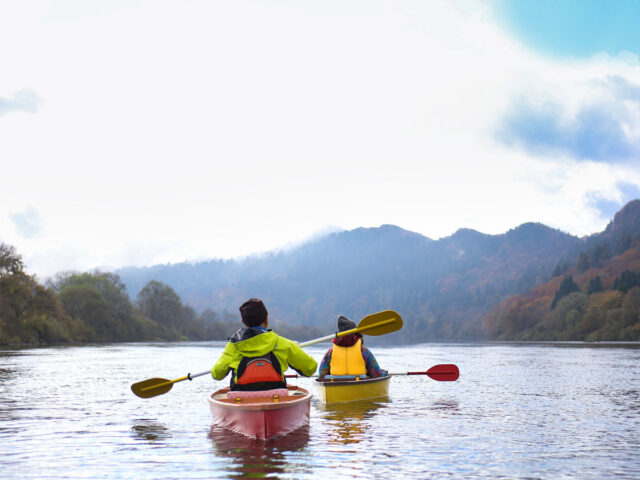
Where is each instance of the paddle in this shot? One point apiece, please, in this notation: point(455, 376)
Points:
point(375, 324)
point(153, 387)
point(441, 373)
point(446, 372)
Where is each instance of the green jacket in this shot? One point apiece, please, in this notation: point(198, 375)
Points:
point(249, 342)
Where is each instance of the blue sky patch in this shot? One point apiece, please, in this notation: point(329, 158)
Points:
point(577, 28)
point(608, 208)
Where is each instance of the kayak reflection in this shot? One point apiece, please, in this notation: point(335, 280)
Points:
point(347, 423)
point(445, 405)
point(256, 458)
point(6, 359)
point(150, 430)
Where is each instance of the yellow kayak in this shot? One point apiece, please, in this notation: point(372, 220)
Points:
point(351, 388)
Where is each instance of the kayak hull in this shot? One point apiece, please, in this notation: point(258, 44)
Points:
point(341, 391)
point(261, 417)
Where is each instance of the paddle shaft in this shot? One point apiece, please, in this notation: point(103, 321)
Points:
point(441, 373)
point(409, 373)
point(391, 373)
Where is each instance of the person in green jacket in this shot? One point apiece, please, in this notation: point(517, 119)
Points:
point(257, 356)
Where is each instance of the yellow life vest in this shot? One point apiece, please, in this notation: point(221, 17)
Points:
point(348, 360)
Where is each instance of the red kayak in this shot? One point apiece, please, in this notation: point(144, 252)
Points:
point(262, 414)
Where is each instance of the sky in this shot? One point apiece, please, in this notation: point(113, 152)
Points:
point(142, 132)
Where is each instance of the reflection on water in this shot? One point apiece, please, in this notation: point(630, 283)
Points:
point(5, 373)
point(347, 423)
point(255, 458)
point(445, 405)
point(6, 360)
point(150, 431)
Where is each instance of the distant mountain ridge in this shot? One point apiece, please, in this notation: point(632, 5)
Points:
point(443, 288)
point(625, 224)
point(595, 296)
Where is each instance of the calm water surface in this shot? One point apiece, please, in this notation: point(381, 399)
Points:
point(518, 411)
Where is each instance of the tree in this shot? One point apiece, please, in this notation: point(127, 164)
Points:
point(594, 319)
point(624, 243)
point(567, 286)
point(99, 300)
point(631, 315)
point(29, 313)
point(10, 262)
point(600, 254)
point(560, 268)
point(584, 263)
point(161, 303)
point(626, 281)
point(595, 285)
point(86, 305)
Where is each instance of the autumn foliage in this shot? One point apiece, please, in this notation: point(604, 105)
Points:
point(610, 314)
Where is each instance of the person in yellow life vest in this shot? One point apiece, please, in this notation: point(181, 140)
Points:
point(349, 356)
point(257, 356)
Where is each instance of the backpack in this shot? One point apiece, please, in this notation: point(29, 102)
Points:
point(258, 373)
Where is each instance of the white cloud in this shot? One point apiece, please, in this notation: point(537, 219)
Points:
point(25, 100)
point(179, 130)
point(28, 223)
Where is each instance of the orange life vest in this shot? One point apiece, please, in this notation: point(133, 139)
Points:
point(259, 373)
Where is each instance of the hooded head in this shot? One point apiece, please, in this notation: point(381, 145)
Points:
point(345, 324)
point(253, 312)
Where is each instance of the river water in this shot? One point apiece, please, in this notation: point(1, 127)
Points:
point(521, 411)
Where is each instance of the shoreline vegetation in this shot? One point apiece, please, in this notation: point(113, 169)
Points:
point(80, 308)
point(591, 302)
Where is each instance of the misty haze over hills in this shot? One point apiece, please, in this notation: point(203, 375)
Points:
point(443, 289)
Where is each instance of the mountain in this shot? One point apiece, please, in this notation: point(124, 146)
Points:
point(623, 230)
point(441, 288)
point(594, 296)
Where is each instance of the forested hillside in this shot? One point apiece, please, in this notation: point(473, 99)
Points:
point(93, 307)
point(592, 296)
point(442, 288)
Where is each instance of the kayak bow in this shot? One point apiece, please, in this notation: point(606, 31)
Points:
point(261, 417)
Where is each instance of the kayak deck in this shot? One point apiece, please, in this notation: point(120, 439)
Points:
point(340, 391)
point(261, 417)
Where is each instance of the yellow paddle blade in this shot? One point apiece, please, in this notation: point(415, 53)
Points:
point(379, 323)
point(152, 387)
point(375, 324)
